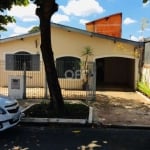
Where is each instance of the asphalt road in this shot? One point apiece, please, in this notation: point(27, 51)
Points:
point(71, 138)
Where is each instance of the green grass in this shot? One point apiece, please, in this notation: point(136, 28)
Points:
point(143, 87)
point(73, 111)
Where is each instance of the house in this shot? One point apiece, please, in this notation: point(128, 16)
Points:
point(115, 61)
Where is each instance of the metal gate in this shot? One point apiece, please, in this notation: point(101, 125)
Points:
point(36, 87)
point(72, 88)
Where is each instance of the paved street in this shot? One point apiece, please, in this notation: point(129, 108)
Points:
point(66, 138)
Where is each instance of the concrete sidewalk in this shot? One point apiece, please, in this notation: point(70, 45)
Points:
point(115, 108)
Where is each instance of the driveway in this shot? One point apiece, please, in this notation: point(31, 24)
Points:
point(121, 108)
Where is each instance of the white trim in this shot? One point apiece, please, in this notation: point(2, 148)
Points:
point(54, 120)
point(75, 56)
point(21, 50)
point(90, 119)
point(146, 98)
point(109, 55)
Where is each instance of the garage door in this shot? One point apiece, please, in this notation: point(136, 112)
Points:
point(115, 73)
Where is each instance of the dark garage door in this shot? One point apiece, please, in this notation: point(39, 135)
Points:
point(115, 73)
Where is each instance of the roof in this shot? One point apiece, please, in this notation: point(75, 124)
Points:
point(120, 14)
point(110, 25)
point(72, 29)
point(147, 40)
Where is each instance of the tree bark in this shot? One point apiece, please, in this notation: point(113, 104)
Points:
point(44, 11)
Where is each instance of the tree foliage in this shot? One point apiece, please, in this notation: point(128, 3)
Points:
point(87, 52)
point(145, 1)
point(7, 5)
point(34, 29)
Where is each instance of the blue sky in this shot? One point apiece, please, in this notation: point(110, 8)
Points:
point(75, 13)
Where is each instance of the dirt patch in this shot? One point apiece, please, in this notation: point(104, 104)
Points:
point(121, 108)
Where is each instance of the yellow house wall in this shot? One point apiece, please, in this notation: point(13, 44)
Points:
point(67, 43)
point(34, 78)
point(64, 43)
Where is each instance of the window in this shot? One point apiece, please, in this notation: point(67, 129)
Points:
point(23, 60)
point(68, 67)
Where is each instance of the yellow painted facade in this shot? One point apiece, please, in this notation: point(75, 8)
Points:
point(65, 42)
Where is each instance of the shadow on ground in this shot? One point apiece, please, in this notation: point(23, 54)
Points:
point(121, 108)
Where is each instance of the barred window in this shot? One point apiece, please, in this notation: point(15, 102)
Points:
point(22, 60)
point(68, 67)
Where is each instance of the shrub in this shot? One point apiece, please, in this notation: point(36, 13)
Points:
point(143, 87)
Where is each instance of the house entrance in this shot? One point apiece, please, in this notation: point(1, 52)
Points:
point(115, 73)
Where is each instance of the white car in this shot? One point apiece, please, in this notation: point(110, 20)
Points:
point(10, 112)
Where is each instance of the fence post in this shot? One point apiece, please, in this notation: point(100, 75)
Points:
point(45, 88)
point(91, 92)
point(24, 80)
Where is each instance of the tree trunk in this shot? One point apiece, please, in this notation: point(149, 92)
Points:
point(44, 11)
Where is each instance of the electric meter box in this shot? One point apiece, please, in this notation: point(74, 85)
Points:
point(15, 87)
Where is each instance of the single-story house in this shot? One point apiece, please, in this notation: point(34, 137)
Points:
point(115, 61)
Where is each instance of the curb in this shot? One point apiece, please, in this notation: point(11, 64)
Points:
point(59, 120)
point(54, 120)
point(141, 94)
point(126, 126)
point(24, 109)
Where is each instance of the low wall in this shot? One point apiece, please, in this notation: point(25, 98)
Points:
point(71, 84)
point(146, 74)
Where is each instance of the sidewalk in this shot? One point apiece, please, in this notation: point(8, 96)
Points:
point(115, 108)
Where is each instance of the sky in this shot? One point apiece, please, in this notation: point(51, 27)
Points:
point(75, 13)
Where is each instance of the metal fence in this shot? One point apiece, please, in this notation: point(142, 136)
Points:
point(36, 87)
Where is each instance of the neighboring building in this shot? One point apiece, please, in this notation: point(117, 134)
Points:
point(146, 66)
point(110, 25)
point(116, 60)
point(147, 51)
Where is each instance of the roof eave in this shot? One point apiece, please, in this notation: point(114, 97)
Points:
point(19, 37)
point(72, 29)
